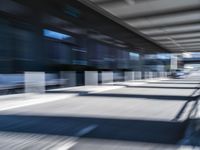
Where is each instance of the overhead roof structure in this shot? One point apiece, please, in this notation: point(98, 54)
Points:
point(173, 24)
point(78, 17)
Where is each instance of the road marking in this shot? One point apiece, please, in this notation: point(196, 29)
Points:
point(74, 140)
point(29, 102)
point(106, 89)
point(35, 102)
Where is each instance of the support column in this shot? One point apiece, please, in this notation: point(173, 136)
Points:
point(142, 66)
point(129, 75)
point(107, 76)
point(34, 82)
point(91, 78)
point(174, 62)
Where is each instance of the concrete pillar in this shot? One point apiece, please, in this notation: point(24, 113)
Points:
point(138, 75)
point(146, 75)
point(174, 62)
point(91, 78)
point(150, 75)
point(142, 66)
point(154, 74)
point(160, 74)
point(129, 75)
point(107, 76)
point(166, 74)
point(34, 82)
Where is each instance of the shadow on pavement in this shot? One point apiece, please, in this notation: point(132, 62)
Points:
point(192, 133)
point(195, 98)
point(166, 132)
point(172, 83)
point(161, 87)
point(144, 96)
point(68, 92)
point(140, 96)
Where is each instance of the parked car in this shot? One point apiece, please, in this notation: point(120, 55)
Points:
point(178, 74)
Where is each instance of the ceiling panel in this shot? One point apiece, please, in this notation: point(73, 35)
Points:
point(174, 24)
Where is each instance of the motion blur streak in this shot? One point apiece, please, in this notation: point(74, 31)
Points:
point(99, 74)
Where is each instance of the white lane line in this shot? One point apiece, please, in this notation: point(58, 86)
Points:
point(74, 140)
point(35, 102)
point(106, 89)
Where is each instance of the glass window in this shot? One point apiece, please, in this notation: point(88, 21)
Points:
point(55, 35)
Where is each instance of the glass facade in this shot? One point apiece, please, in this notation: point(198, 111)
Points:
point(27, 47)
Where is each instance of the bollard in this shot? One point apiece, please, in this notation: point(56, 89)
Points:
point(129, 75)
point(34, 82)
point(106, 76)
point(91, 78)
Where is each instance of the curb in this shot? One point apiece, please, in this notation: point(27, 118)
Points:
point(192, 133)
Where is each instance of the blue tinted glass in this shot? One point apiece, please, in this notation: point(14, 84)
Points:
point(134, 55)
point(55, 35)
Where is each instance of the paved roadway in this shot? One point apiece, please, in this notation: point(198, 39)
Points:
point(148, 116)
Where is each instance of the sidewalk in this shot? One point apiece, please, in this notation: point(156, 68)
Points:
point(22, 100)
point(142, 110)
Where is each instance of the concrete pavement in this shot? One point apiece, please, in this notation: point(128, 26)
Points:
point(146, 116)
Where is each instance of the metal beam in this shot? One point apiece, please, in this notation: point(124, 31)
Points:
point(175, 24)
point(177, 39)
point(162, 13)
point(126, 28)
point(173, 33)
point(114, 2)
